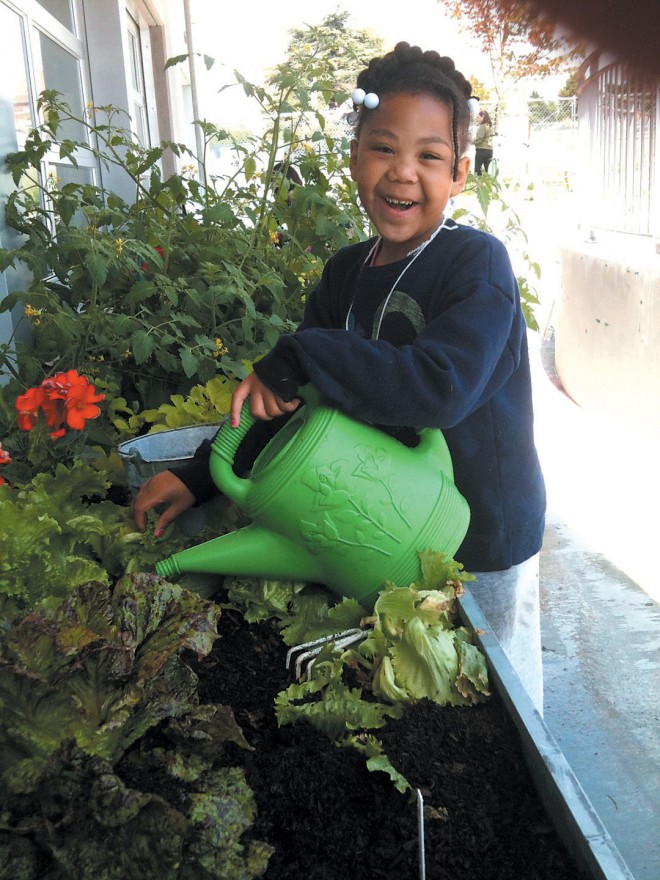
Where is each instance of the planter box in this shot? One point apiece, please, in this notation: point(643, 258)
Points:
point(574, 818)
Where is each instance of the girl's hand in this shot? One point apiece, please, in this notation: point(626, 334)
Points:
point(264, 404)
point(163, 488)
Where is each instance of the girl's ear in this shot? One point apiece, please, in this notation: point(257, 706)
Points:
point(458, 185)
point(353, 159)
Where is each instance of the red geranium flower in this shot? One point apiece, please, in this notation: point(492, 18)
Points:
point(28, 406)
point(57, 387)
point(66, 400)
point(81, 405)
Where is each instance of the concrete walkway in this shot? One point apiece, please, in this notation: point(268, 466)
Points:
point(600, 584)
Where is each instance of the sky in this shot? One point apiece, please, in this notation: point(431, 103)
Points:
point(252, 35)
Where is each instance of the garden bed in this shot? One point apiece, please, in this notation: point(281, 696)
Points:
point(329, 817)
point(122, 758)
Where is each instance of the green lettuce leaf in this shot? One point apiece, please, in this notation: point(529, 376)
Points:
point(425, 662)
point(341, 708)
point(100, 668)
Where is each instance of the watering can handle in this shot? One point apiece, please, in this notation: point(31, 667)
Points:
point(225, 446)
point(228, 439)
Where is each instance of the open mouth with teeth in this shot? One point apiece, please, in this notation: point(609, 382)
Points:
point(399, 205)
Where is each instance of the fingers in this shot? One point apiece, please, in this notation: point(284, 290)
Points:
point(162, 489)
point(264, 404)
point(241, 394)
point(171, 513)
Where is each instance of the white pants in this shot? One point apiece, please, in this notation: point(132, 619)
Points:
point(509, 601)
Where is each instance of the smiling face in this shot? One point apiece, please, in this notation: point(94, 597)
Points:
point(403, 164)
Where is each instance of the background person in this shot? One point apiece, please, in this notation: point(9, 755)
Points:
point(483, 142)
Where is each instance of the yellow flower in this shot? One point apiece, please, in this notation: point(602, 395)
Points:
point(90, 105)
point(53, 181)
point(29, 312)
point(220, 348)
point(119, 244)
point(274, 237)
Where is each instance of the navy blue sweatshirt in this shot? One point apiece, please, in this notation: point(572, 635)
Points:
point(442, 345)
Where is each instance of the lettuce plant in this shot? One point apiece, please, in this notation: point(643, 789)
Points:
point(56, 533)
point(109, 766)
point(413, 650)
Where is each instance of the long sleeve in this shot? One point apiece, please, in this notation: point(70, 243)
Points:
point(453, 365)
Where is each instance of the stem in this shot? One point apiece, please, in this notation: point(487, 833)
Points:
point(366, 546)
point(373, 522)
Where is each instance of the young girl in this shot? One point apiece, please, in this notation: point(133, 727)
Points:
point(421, 327)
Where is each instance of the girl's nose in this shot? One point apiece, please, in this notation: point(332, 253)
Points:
point(402, 169)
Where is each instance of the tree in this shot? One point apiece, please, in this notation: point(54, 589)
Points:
point(332, 44)
point(519, 42)
point(480, 90)
point(570, 87)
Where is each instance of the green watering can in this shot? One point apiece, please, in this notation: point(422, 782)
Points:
point(334, 501)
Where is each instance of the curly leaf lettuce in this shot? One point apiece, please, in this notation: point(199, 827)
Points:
point(413, 650)
point(81, 683)
point(89, 823)
point(53, 537)
point(100, 669)
point(341, 708)
point(425, 662)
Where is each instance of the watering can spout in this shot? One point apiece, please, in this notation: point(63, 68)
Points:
point(242, 553)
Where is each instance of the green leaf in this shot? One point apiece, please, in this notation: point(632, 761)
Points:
point(176, 59)
point(139, 292)
point(142, 345)
point(377, 760)
point(425, 662)
point(341, 709)
point(97, 268)
point(188, 361)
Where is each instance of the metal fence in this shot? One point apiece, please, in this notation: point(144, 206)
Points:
point(619, 117)
point(559, 113)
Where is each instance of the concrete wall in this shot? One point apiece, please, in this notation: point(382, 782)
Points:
point(607, 332)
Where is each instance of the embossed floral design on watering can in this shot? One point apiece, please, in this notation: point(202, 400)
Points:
point(346, 519)
point(335, 501)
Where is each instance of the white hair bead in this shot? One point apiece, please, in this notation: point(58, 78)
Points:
point(358, 96)
point(371, 101)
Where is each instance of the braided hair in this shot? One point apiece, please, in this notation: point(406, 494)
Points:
point(409, 70)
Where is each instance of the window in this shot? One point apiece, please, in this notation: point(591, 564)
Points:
point(137, 90)
point(61, 70)
point(15, 105)
point(41, 51)
point(59, 9)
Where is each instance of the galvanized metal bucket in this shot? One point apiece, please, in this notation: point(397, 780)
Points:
point(144, 457)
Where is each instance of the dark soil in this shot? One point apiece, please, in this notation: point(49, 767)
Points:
point(330, 818)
